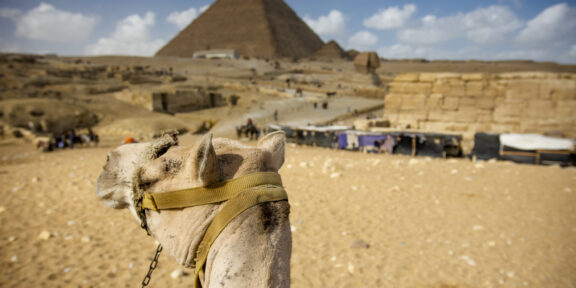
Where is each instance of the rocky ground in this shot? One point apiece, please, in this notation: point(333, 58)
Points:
point(358, 220)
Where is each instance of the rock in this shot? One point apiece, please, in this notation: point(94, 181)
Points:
point(293, 228)
point(478, 228)
point(335, 175)
point(14, 258)
point(360, 244)
point(66, 270)
point(12, 238)
point(86, 239)
point(468, 260)
point(178, 273)
point(2, 209)
point(351, 267)
point(44, 235)
point(491, 243)
point(35, 180)
point(413, 161)
point(454, 171)
point(567, 190)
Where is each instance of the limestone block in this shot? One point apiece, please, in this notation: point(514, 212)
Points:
point(472, 76)
point(517, 103)
point(457, 127)
point(467, 115)
point(412, 102)
point(564, 93)
point(448, 76)
point(541, 104)
point(507, 110)
point(450, 103)
point(434, 126)
point(407, 77)
point(566, 109)
point(467, 102)
point(536, 113)
point(484, 116)
point(434, 101)
point(393, 101)
point(483, 127)
point(427, 77)
point(527, 75)
point(442, 116)
point(523, 89)
point(505, 128)
point(485, 103)
point(475, 88)
point(454, 89)
point(410, 88)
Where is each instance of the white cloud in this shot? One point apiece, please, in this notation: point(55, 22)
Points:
point(331, 25)
point(131, 37)
point(10, 13)
point(482, 26)
point(402, 51)
point(50, 24)
point(555, 24)
point(363, 40)
point(391, 18)
point(182, 19)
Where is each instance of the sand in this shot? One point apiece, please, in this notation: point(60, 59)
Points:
point(358, 221)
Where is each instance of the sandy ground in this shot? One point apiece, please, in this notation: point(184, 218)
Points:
point(358, 221)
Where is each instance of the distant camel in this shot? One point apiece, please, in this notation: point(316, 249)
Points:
point(254, 248)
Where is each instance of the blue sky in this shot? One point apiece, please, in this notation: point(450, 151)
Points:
point(454, 29)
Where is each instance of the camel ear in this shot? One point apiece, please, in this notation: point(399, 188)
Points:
point(273, 145)
point(207, 169)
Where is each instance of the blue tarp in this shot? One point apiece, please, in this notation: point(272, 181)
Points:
point(342, 141)
point(368, 140)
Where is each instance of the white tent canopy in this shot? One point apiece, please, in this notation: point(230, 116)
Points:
point(535, 142)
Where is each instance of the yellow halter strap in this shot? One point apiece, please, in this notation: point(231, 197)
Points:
point(241, 193)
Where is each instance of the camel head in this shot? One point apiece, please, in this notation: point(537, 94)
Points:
point(163, 166)
point(115, 185)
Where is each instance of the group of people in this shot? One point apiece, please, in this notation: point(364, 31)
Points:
point(69, 139)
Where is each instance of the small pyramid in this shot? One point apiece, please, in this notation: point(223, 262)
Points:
point(254, 28)
point(330, 51)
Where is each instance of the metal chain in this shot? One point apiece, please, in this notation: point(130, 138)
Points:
point(142, 215)
point(153, 266)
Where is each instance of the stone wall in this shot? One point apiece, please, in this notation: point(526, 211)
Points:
point(172, 100)
point(533, 102)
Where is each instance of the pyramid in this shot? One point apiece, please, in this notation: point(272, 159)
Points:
point(254, 28)
point(330, 51)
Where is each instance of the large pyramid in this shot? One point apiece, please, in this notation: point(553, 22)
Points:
point(255, 28)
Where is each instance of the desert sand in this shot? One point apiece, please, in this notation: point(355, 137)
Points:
point(358, 220)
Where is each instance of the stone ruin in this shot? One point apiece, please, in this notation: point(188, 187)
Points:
point(525, 102)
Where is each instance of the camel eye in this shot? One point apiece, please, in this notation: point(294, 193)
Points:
point(161, 151)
